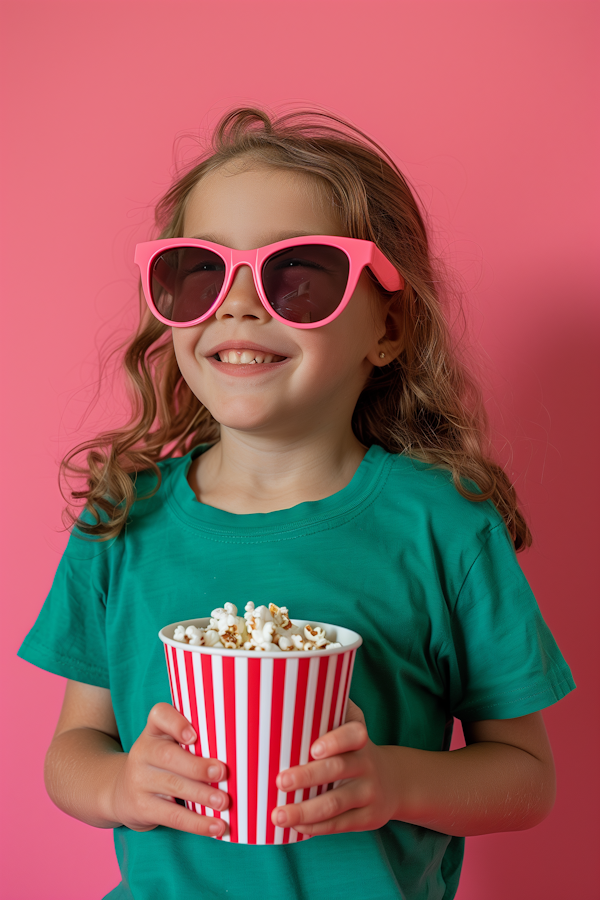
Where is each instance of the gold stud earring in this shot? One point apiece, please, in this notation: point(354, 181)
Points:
point(381, 355)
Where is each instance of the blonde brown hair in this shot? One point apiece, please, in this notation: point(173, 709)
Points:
point(425, 403)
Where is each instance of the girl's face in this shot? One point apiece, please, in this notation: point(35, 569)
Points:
point(303, 380)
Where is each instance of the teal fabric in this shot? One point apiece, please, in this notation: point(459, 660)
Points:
point(428, 578)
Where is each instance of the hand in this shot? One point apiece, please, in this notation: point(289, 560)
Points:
point(157, 769)
point(360, 803)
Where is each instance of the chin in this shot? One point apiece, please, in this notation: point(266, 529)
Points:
point(242, 416)
point(246, 425)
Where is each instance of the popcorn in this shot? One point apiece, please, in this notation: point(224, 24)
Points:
point(280, 616)
point(190, 635)
point(211, 638)
point(264, 629)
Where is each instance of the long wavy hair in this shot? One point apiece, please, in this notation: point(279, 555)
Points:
point(425, 404)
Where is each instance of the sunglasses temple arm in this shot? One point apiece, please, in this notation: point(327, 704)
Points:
point(385, 273)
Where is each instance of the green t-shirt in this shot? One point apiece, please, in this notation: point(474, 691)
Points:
point(429, 579)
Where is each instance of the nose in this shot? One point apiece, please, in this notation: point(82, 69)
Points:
point(242, 301)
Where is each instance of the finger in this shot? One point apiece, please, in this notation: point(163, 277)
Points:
point(182, 819)
point(348, 737)
point(324, 808)
point(167, 755)
point(352, 820)
point(164, 719)
point(325, 771)
point(167, 784)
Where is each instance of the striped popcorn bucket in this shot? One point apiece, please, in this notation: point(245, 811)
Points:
point(259, 713)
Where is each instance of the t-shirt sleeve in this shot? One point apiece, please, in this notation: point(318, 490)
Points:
point(69, 635)
point(508, 661)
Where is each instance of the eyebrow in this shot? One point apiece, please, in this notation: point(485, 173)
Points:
point(274, 238)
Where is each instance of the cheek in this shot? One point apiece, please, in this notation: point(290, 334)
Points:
point(360, 326)
point(185, 341)
point(375, 312)
point(339, 357)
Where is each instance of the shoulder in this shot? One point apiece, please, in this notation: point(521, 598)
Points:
point(427, 495)
point(439, 532)
point(152, 488)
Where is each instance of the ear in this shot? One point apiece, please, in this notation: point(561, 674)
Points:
point(391, 343)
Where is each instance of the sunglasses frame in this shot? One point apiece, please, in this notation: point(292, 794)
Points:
point(360, 253)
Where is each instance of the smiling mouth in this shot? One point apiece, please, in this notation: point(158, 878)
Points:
point(247, 357)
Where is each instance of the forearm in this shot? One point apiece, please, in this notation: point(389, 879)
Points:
point(82, 765)
point(483, 788)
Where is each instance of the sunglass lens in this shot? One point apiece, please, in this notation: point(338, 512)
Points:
point(307, 283)
point(185, 282)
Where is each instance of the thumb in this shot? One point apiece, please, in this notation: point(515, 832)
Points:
point(165, 721)
point(354, 713)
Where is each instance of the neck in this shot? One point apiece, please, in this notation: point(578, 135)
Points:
point(244, 474)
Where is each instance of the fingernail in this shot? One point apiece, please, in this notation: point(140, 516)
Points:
point(214, 829)
point(318, 748)
point(286, 780)
point(188, 735)
point(214, 772)
point(280, 817)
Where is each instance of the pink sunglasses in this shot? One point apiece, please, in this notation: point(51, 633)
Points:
point(304, 282)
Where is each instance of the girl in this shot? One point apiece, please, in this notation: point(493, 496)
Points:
point(301, 432)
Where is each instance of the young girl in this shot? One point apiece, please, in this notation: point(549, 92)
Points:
point(302, 432)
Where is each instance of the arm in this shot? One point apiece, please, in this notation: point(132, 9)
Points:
point(503, 780)
point(89, 776)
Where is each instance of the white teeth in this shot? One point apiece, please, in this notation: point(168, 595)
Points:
point(245, 357)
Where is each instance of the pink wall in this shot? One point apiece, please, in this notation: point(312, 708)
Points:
point(489, 106)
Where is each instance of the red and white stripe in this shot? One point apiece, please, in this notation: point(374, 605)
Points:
point(259, 715)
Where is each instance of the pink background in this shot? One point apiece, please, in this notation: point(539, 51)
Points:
point(490, 109)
